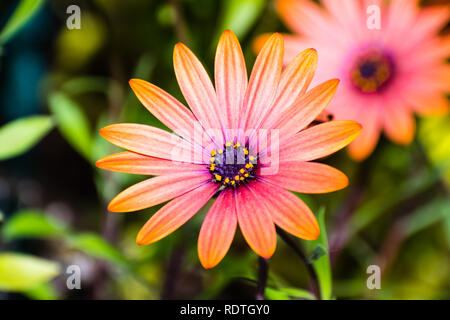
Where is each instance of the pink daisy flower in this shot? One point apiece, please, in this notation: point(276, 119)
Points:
point(218, 149)
point(389, 69)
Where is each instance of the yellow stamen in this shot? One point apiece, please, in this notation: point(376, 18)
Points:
point(242, 171)
point(213, 167)
point(245, 151)
point(228, 144)
point(252, 158)
point(246, 175)
point(227, 180)
point(242, 178)
point(236, 178)
point(212, 159)
point(213, 153)
point(218, 177)
point(237, 145)
point(232, 183)
point(220, 151)
point(248, 166)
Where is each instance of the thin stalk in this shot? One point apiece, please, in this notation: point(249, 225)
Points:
point(299, 252)
point(263, 273)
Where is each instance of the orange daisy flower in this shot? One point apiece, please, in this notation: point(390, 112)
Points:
point(387, 55)
point(222, 148)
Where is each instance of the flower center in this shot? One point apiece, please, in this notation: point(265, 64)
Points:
point(372, 71)
point(233, 165)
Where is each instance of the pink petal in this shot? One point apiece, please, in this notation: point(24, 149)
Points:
point(263, 83)
point(217, 230)
point(231, 79)
point(307, 177)
point(198, 90)
point(135, 163)
point(255, 222)
point(320, 140)
point(174, 214)
point(294, 82)
point(288, 211)
point(168, 110)
point(153, 142)
point(157, 190)
point(399, 123)
point(306, 109)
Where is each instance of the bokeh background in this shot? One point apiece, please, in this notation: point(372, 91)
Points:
point(59, 86)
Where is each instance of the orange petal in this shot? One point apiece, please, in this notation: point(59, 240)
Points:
point(263, 83)
point(166, 108)
point(217, 230)
point(231, 79)
point(197, 88)
point(364, 144)
point(294, 82)
point(174, 214)
point(399, 123)
point(432, 105)
point(320, 141)
point(157, 190)
point(306, 109)
point(288, 211)
point(151, 141)
point(305, 17)
point(308, 177)
point(135, 163)
point(255, 222)
point(259, 41)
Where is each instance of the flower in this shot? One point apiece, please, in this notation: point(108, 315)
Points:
point(387, 73)
point(218, 149)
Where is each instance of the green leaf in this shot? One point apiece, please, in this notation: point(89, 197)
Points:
point(97, 247)
point(18, 136)
point(23, 13)
point(428, 215)
point(239, 15)
point(31, 224)
point(19, 272)
point(72, 123)
point(288, 293)
point(322, 264)
point(44, 291)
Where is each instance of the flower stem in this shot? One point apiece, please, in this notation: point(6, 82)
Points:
point(298, 251)
point(263, 273)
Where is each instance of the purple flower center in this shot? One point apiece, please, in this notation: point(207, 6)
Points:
point(233, 165)
point(372, 71)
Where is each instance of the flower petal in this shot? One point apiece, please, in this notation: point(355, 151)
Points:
point(217, 230)
point(197, 89)
point(399, 123)
point(175, 213)
point(152, 141)
point(306, 109)
point(370, 119)
point(307, 177)
point(263, 83)
point(294, 82)
point(135, 163)
point(255, 222)
point(320, 141)
point(230, 78)
point(157, 190)
point(288, 211)
point(307, 18)
point(168, 110)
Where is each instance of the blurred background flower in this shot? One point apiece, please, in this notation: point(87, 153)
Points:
point(60, 86)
